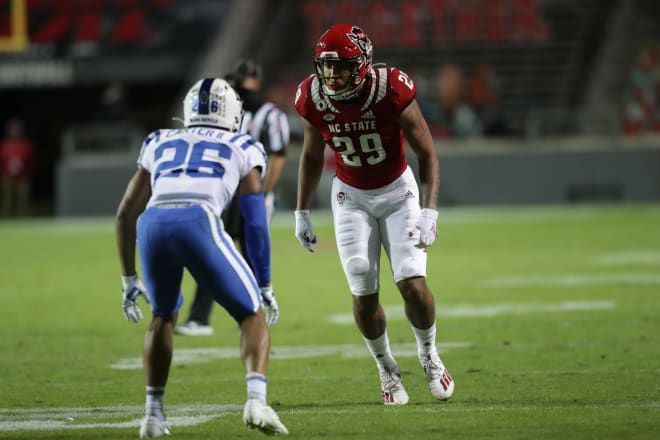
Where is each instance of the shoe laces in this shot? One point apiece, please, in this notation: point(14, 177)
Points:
point(433, 368)
point(390, 380)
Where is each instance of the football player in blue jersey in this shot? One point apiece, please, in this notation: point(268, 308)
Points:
point(268, 124)
point(185, 177)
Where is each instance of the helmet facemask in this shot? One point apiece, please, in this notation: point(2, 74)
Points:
point(329, 69)
point(343, 48)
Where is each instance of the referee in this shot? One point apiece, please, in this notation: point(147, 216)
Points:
point(265, 122)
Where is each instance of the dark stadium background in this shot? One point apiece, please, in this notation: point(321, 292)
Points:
point(563, 68)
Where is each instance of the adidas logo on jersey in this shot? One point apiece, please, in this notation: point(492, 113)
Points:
point(368, 115)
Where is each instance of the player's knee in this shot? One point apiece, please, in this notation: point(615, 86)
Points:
point(409, 268)
point(357, 266)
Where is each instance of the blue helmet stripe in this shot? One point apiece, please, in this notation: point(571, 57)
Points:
point(204, 95)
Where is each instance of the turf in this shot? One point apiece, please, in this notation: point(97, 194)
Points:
point(548, 319)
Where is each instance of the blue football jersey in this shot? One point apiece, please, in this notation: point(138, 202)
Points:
point(194, 175)
point(198, 165)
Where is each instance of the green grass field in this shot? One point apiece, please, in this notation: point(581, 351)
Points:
point(548, 319)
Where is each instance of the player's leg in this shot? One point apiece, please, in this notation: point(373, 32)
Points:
point(255, 343)
point(220, 269)
point(162, 271)
point(370, 319)
point(255, 349)
point(409, 270)
point(418, 300)
point(198, 322)
point(157, 358)
point(420, 310)
point(358, 243)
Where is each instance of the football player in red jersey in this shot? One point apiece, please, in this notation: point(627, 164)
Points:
point(363, 113)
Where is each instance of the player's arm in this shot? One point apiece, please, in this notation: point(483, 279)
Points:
point(278, 140)
point(257, 237)
point(418, 135)
point(274, 171)
point(310, 167)
point(274, 168)
point(131, 206)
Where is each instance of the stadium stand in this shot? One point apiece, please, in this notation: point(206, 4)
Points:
point(562, 73)
point(55, 74)
point(541, 51)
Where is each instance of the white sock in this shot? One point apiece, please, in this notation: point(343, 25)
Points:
point(155, 400)
point(256, 386)
point(380, 350)
point(425, 343)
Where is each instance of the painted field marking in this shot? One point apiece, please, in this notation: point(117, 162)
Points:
point(486, 310)
point(570, 280)
point(323, 217)
point(629, 257)
point(513, 214)
point(124, 417)
point(40, 419)
point(464, 311)
point(187, 356)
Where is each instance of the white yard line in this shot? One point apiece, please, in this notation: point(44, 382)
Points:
point(185, 356)
point(283, 219)
point(486, 310)
point(40, 419)
point(571, 280)
point(128, 417)
point(637, 257)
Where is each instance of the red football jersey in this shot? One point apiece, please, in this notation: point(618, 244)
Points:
point(363, 133)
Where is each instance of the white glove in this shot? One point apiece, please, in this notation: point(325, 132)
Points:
point(270, 305)
point(269, 199)
point(427, 228)
point(132, 288)
point(304, 232)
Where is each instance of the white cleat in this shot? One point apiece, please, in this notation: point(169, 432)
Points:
point(153, 426)
point(393, 391)
point(440, 382)
point(193, 328)
point(258, 415)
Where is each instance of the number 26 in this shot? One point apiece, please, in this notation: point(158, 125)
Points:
point(191, 163)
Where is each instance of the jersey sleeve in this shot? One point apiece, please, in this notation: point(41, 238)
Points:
point(255, 156)
point(302, 102)
point(146, 158)
point(402, 89)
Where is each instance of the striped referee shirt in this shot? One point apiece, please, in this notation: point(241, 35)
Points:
point(270, 126)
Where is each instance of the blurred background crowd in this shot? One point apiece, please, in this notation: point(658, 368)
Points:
point(82, 81)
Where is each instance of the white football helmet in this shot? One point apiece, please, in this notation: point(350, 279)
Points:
point(212, 102)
